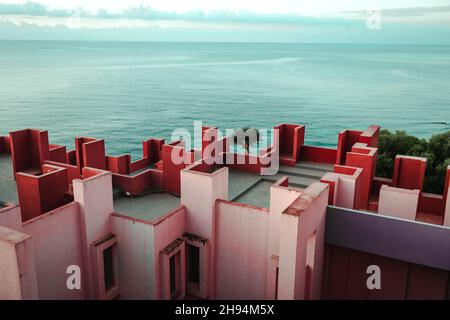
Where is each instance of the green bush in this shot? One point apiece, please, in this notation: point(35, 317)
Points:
point(436, 150)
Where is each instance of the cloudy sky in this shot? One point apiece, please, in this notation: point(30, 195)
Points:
point(349, 21)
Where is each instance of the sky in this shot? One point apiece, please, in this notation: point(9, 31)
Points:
point(344, 21)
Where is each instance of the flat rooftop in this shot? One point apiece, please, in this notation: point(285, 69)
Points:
point(8, 189)
point(253, 189)
point(149, 207)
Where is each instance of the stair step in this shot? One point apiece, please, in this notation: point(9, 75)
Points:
point(323, 167)
point(301, 182)
point(302, 172)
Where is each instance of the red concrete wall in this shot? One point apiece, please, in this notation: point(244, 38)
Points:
point(209, 137)
point(71, 157)
point(5, 146)
point(246, 162)
point(135, 185)
point(120, 164)
point(432, 204)
point(344, 277)
point(94, 154)
point(41, 193)
point(370, 136)
point(57, 153)
point(366, 159)
point(139, 164)
point(72, 171)
point(29, 149)
point(409, 172)
point(291, 140)
point(171, 171)
point(152, 149)
point(90, 153)
point(346, 140)
point(318, 154)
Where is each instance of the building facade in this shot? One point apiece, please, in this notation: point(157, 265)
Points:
point(212, 227)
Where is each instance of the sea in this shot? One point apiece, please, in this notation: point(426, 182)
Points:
point(127, 92)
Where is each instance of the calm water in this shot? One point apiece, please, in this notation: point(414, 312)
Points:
point(127, 92)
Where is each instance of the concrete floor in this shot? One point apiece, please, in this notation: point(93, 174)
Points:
point(8, 189)
point(258, 195)
point(149, 207)
point(239, 182)
point(253, 189)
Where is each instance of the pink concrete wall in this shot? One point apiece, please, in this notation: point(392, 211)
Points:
point(95, 199)
point(17, 268)
point(57, 245)
point(280, 198)
point(10, 217)
point(400, 203)
point(140, 243)
point(166, 230)
point(241, 251)
point(345, 181)
point(447, 210)
point(136, 257)
point(302, 220)
point(9, 268)
point(200, 206)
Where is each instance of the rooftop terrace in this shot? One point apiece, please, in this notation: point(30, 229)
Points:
point(253, 189)
point(8, 190)
point(244, 187)
point(149, 207)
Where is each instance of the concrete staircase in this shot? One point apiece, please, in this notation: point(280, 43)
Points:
point(303, 174)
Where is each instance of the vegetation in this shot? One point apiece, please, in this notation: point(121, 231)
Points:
point(246, 137)
point(436, 150)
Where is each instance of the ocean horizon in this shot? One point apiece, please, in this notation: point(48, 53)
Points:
point(126, 92)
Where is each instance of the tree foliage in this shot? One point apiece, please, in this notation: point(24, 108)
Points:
point(436, 150)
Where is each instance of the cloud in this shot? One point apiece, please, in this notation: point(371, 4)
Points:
point(36, 21)
point(148, 14)
point(406, 12)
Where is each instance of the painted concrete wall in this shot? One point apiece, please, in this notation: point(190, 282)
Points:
point(10, 217)
point(302, 221)
point(94, 195)
point(17, 268)
point(57, 245)
point(9, 269)
point(199, 192)
point(447, 210)
point(400, 203)
point(241, 251)
point(345, 277)
point(409, 172)
point(166, 230)
point(280, 198)
point(136, 255)
point(139, 246)
point(346, 182)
